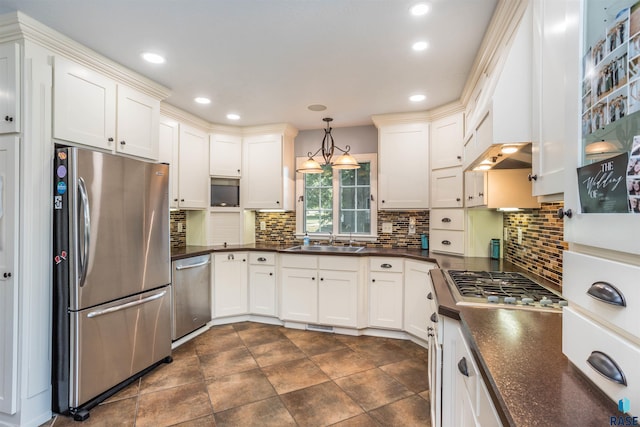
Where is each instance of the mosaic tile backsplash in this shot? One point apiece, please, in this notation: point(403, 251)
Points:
point(281, 229)
point(178, 238)
point(542, 241)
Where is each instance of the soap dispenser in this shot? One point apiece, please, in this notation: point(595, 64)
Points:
point(305, 240)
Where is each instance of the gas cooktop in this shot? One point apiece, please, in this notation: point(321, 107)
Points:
point(502, 289)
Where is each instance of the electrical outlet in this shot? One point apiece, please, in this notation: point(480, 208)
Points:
point(387, 227)
point(412, 226)
point(519, 235)
point(179, 227)
point(263, 225)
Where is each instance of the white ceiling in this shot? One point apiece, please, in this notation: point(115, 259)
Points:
point(267, 60)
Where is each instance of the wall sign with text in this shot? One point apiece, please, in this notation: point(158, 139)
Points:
point(603, 186)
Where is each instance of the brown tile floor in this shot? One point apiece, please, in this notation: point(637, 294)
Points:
point(251, 374)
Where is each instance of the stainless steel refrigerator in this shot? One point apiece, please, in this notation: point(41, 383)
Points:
point(111, 275)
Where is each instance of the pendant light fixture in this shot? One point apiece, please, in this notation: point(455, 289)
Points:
point(343, 161)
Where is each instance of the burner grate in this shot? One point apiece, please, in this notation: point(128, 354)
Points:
point(485, 284)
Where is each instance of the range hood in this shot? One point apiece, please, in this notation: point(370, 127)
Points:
point(503, 156)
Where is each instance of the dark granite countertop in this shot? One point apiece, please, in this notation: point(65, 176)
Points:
point(518, 352)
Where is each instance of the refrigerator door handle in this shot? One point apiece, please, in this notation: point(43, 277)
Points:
point(126, 305)
point(84, 199)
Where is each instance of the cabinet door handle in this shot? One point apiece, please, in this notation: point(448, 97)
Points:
point(446, 242)
point(430, 295)
point(457, 199)
point(230, 257)
point(373, 280)
point(123, 142)
point(182, 200)
point(434, 317)
point(313, 278)
point(238, 171)
point(562, 213)
point(262, 259)
point(270, 274)
point(8, 118)
point(480, 194)
point(607, 367)
point(459, 157)
point(322, 279)
point(446, 219)
point(462, 367)
point(277, 202)
point(175, 200)
point(383, 201)
point(606, 292)
point(110, 139)
point(470, 197)
point(531, 177)
point(385, 265)
point(6, 275)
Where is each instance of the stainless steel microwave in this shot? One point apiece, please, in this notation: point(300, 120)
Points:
point(225, 192)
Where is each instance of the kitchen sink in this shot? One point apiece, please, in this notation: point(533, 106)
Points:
point(326, 249)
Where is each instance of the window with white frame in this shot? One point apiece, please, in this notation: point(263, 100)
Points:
point(338, 201)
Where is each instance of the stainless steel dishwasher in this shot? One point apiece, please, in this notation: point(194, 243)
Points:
point(191, 297)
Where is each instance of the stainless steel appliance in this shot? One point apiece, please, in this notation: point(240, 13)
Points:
point(111, 275)
point(502, 289)
point(191, 286)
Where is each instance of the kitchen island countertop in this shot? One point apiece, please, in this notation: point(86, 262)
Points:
point(518, 352)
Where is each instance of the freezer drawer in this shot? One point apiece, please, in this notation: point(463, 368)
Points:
point(191, 294)
point(115, 341)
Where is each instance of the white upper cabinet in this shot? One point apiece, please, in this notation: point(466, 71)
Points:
point(447, 141)
point(193, 168)
point(168, 137)
point(403, 163)
point(9, 88)
point(447, 188)
point(502, 112)
point(93, 110)
point(137, 125)
point(225, 155)
point(550, 77)
point(84, 105)
point(268, 181)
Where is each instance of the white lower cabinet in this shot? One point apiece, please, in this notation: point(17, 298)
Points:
point(230, 284)
point(417, 304)
point(320, 289)
point(385, 292)
point(262, 284)
point(465, 398)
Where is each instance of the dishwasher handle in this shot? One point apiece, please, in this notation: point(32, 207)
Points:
point(200, 264)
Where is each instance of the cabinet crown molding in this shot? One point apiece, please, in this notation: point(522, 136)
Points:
point(400, 118)
point(17, 25)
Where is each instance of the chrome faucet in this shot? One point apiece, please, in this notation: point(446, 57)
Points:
point(331, 239)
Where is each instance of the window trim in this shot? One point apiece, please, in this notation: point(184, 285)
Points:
point(372, 158)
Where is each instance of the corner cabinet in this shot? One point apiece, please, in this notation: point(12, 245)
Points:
point(10, 88)
point(268, 181)
point(418, 289)
point(403, 161)
point(93, 110)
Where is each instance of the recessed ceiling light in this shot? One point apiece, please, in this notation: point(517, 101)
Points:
point(154, 58)
point(317, 107)
point(421, 45)
point(420, 9)
point(232, 116)
point(202, 100)
point(417, 98)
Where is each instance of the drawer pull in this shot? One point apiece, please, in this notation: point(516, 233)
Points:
point(446, 242)
point(462, 367)
point(605, 366)
point(385, 265)
point(605, 292)
point(446, 219)
point(434, 317)
point(430, 295)
point(262, 259)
